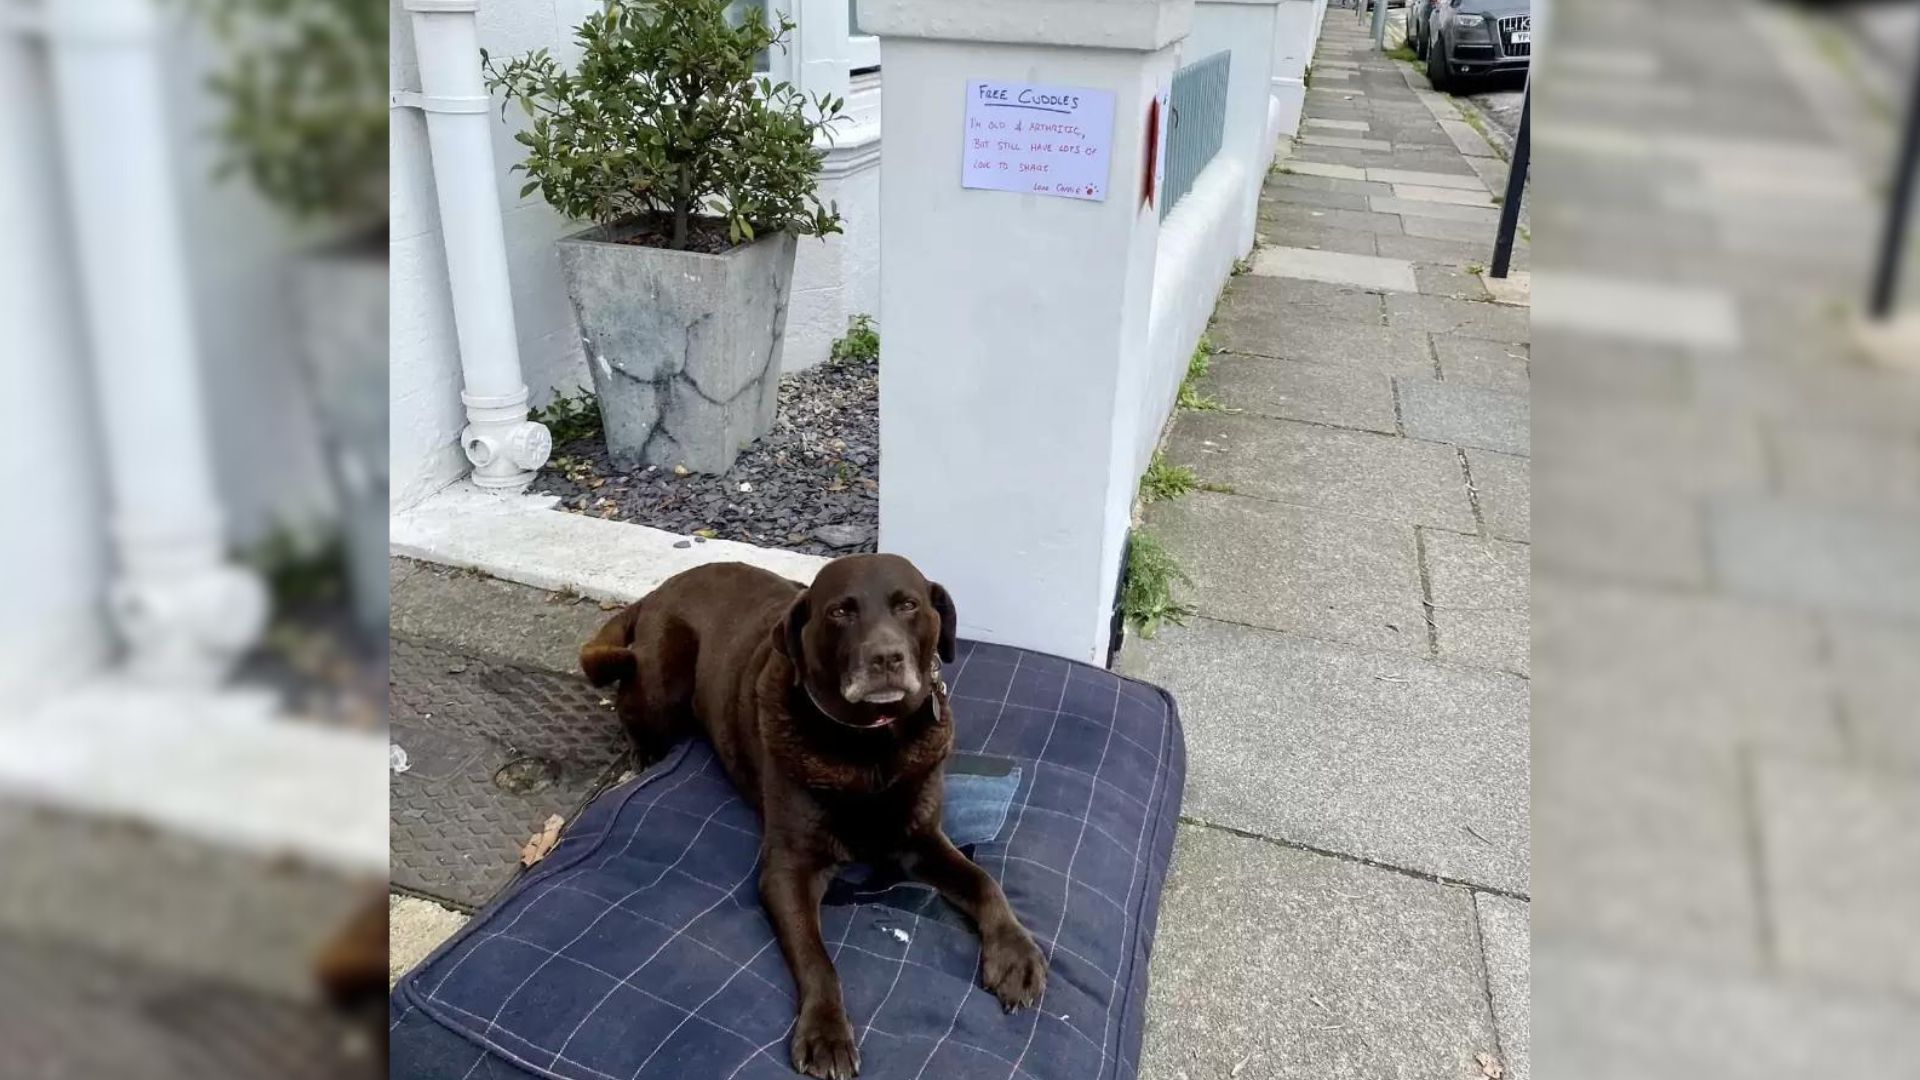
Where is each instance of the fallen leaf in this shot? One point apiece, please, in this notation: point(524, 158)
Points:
point(705, 534)
point(1490, 1066)
point(542, 841)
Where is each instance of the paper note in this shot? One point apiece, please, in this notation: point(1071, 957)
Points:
point(1042, 140)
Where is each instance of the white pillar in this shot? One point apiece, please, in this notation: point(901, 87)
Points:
point(1296, 28)
point(184, 612)
point(1016, 324)
point(504, 446)
point(53, 628)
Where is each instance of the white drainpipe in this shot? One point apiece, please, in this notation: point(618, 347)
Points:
point(184, 612)
point(504, 446)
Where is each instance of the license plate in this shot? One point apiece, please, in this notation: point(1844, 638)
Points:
point(1523, 37)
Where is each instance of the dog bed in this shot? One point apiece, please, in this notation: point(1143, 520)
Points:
point(637, 950)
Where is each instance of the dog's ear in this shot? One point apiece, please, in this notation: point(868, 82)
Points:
point(949, 622)
point(608, 658)
point(786, 634)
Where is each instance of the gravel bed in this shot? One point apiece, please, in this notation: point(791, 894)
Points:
point(812, 484)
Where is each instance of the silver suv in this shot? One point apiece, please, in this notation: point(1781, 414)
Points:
point(1462, 39)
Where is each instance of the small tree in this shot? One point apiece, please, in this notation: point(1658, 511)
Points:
point(304, 83)
point(665, 116)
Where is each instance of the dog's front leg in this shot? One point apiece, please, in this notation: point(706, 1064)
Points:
point(791, 888)
point(1011, 965)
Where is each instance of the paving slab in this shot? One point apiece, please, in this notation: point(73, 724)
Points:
point(1634, 1015)
point(1465, 232)
point(1464, 416)
point(1457, 252)
point(1336, 125)
point(1643, 845)
point(1373, 348)
point(1849, 465)
point(1454, 195)
point(1842, 861)
point(1879, 686)
point(1640, 310)
point(1389, 757)
point(1318, 237)
point(1274, 964)
point(1503, 485)
point(1363, 271)
point(1348, 472)
point(1465, 139)
point(485, 616)
point(1599, 530)
point(1439, 211)
point(1642, 446)
point(1301, 390)
point(1346, 143)
point(1516, 288)
point(1439, 315)
point(1478, 588)
point(1842, 559)
point(1505, 943)
point(1461, 181)
point(1289, 568)
point(1317, 168)
point(1282, 217)
point(1705, 670)
point(1456, 282)
point(1322, 200)
point(1491, 365)
point(1279, 180)
point(1256, 305)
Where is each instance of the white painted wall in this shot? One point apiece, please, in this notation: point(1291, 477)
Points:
point(1296, 30)
point(1017, 324)
point(833, 280)
point(1246, 28)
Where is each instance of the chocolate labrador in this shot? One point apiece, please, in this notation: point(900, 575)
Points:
point(826, 708)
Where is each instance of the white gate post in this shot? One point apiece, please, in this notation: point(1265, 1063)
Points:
point(504, 446)
point(53, 631)
point(184, 612)
point(1016, 323)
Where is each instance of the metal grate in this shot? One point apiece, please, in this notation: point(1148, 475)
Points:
point(1507, 27)
point(1198, 107)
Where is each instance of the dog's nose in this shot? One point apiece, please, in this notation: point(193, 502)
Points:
point(888, 659)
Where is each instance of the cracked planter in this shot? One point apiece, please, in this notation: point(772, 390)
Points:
point(684, 347)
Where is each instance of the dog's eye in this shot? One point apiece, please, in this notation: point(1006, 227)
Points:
point(907, 607)
point(840, 611)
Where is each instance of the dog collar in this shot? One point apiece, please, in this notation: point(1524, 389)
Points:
point(934, 679)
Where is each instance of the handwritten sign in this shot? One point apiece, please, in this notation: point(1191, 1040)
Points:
point(1042, 140)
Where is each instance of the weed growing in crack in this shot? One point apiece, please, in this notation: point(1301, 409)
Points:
point(1148, 598)
point(1164, 481)
point(861, 344)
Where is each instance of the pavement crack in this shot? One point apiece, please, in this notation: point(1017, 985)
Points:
point(1376, 864)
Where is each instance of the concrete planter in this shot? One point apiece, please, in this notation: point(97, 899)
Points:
point(340, 302)
point(684, 347)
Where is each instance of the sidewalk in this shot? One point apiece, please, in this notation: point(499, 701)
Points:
point(1349, 895)
point(1727, 585)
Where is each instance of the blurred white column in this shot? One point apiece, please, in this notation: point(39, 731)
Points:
point(53, 626)
point(1016, 323)
point(504, 446)
point(184, 612)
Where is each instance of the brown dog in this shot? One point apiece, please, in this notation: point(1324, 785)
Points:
point(825, 706)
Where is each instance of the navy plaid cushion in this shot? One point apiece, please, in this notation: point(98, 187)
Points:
point(638, 951)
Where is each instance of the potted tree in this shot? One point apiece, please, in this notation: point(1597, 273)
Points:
point(304, 91)
point(697, 175)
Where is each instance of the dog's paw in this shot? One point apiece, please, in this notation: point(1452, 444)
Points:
point(1013, 968)
point(823, 1045)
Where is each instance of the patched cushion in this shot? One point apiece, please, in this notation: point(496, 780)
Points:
point(637, 950)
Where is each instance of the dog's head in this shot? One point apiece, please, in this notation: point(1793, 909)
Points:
point(865, 637)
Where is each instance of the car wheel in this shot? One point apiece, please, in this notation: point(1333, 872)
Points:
point(1439, 75)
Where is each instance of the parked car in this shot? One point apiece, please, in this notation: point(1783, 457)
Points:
point(1419, 22)
point(1471, 38)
